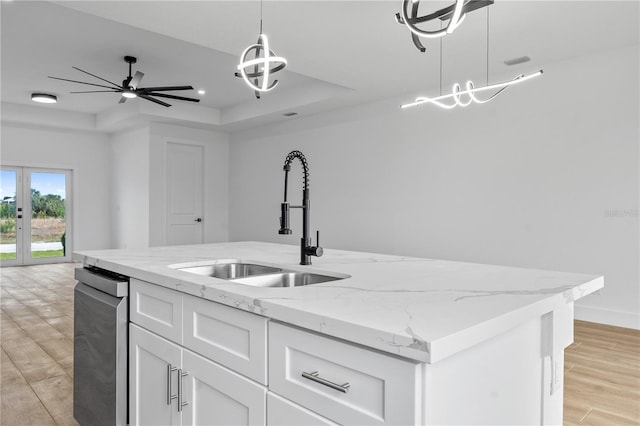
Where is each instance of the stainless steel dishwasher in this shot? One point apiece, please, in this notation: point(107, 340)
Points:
point(100, 347)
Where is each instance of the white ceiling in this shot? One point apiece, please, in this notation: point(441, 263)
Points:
point(340, 53)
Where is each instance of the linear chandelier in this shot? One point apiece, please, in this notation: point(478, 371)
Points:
point(462, 98)
point(265, 63)
point(456, 94)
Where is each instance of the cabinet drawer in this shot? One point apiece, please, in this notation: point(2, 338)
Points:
point(381, 389)
point(233, 338)
point(156, 308)
point(282, 412)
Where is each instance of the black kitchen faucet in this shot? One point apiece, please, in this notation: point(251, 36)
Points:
point(306, 249)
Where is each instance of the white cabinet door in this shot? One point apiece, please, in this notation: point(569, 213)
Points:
point(217, 396)
point(282, 412)
point(151, 359)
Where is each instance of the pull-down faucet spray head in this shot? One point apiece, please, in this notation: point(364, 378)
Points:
point(284, 219)
point(284, 207)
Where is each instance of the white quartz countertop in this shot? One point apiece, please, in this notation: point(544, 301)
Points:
point(423, 309)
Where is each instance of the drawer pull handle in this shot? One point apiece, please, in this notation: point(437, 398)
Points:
point(315, 377)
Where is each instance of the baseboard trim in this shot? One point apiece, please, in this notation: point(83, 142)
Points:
point(609, 317)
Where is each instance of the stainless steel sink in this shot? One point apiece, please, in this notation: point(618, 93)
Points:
point(231, 270)
point(253, 274)
point(286, 279)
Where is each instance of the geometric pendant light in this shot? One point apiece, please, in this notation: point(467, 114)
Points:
point(452, 15)
point(262, 65)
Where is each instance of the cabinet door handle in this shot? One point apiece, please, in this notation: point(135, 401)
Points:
point(315, 377)
point(181, 403)
point(170, 369)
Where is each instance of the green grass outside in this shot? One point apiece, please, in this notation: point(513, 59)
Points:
point(35, 254)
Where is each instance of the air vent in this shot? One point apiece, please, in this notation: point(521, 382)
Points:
point(290, 114)
point(516, 61)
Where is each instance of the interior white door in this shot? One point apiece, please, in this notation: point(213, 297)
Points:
point(184, 183)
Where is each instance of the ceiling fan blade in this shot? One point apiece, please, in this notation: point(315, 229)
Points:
point(154, 100)
point(82, 82)
point(165, 88)
point(99, 91)
point(136, 79)
point(99, 78)
point(180, 98)
point(122, 100)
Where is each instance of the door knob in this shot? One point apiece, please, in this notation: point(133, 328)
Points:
point(199, 219)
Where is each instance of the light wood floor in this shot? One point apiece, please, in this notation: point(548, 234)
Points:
point(602, 366)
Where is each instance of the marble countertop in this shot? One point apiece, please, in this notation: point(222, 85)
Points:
point(423, 309)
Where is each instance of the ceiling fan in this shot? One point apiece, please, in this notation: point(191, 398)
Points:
point(130, 89)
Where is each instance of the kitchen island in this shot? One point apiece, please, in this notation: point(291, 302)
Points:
point(398, 340)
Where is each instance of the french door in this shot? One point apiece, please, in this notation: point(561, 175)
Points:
point(35, 215)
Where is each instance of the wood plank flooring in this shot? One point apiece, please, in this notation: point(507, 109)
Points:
point(602, 376)
point(602, 366)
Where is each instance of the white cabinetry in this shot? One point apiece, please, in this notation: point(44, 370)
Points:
point(171, 384)
point(194, 361)
point(213, 358)
point(345, 383)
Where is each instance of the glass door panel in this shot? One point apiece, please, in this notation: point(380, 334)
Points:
point(48, 214)
point(10, 224)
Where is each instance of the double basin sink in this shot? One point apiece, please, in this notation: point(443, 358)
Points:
point(257, 275)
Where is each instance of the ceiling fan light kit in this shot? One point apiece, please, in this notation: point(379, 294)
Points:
point(44, 98)
point(130, 89)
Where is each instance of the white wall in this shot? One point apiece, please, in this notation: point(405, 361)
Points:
point(130, 188)
point(216, 179)
point(86, 155)
point(545, 176)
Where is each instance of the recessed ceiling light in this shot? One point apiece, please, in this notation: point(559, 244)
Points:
point(516, 61)
point(44, 98)
point(201, 92)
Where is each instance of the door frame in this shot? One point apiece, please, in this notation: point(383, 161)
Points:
point(23, 193)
